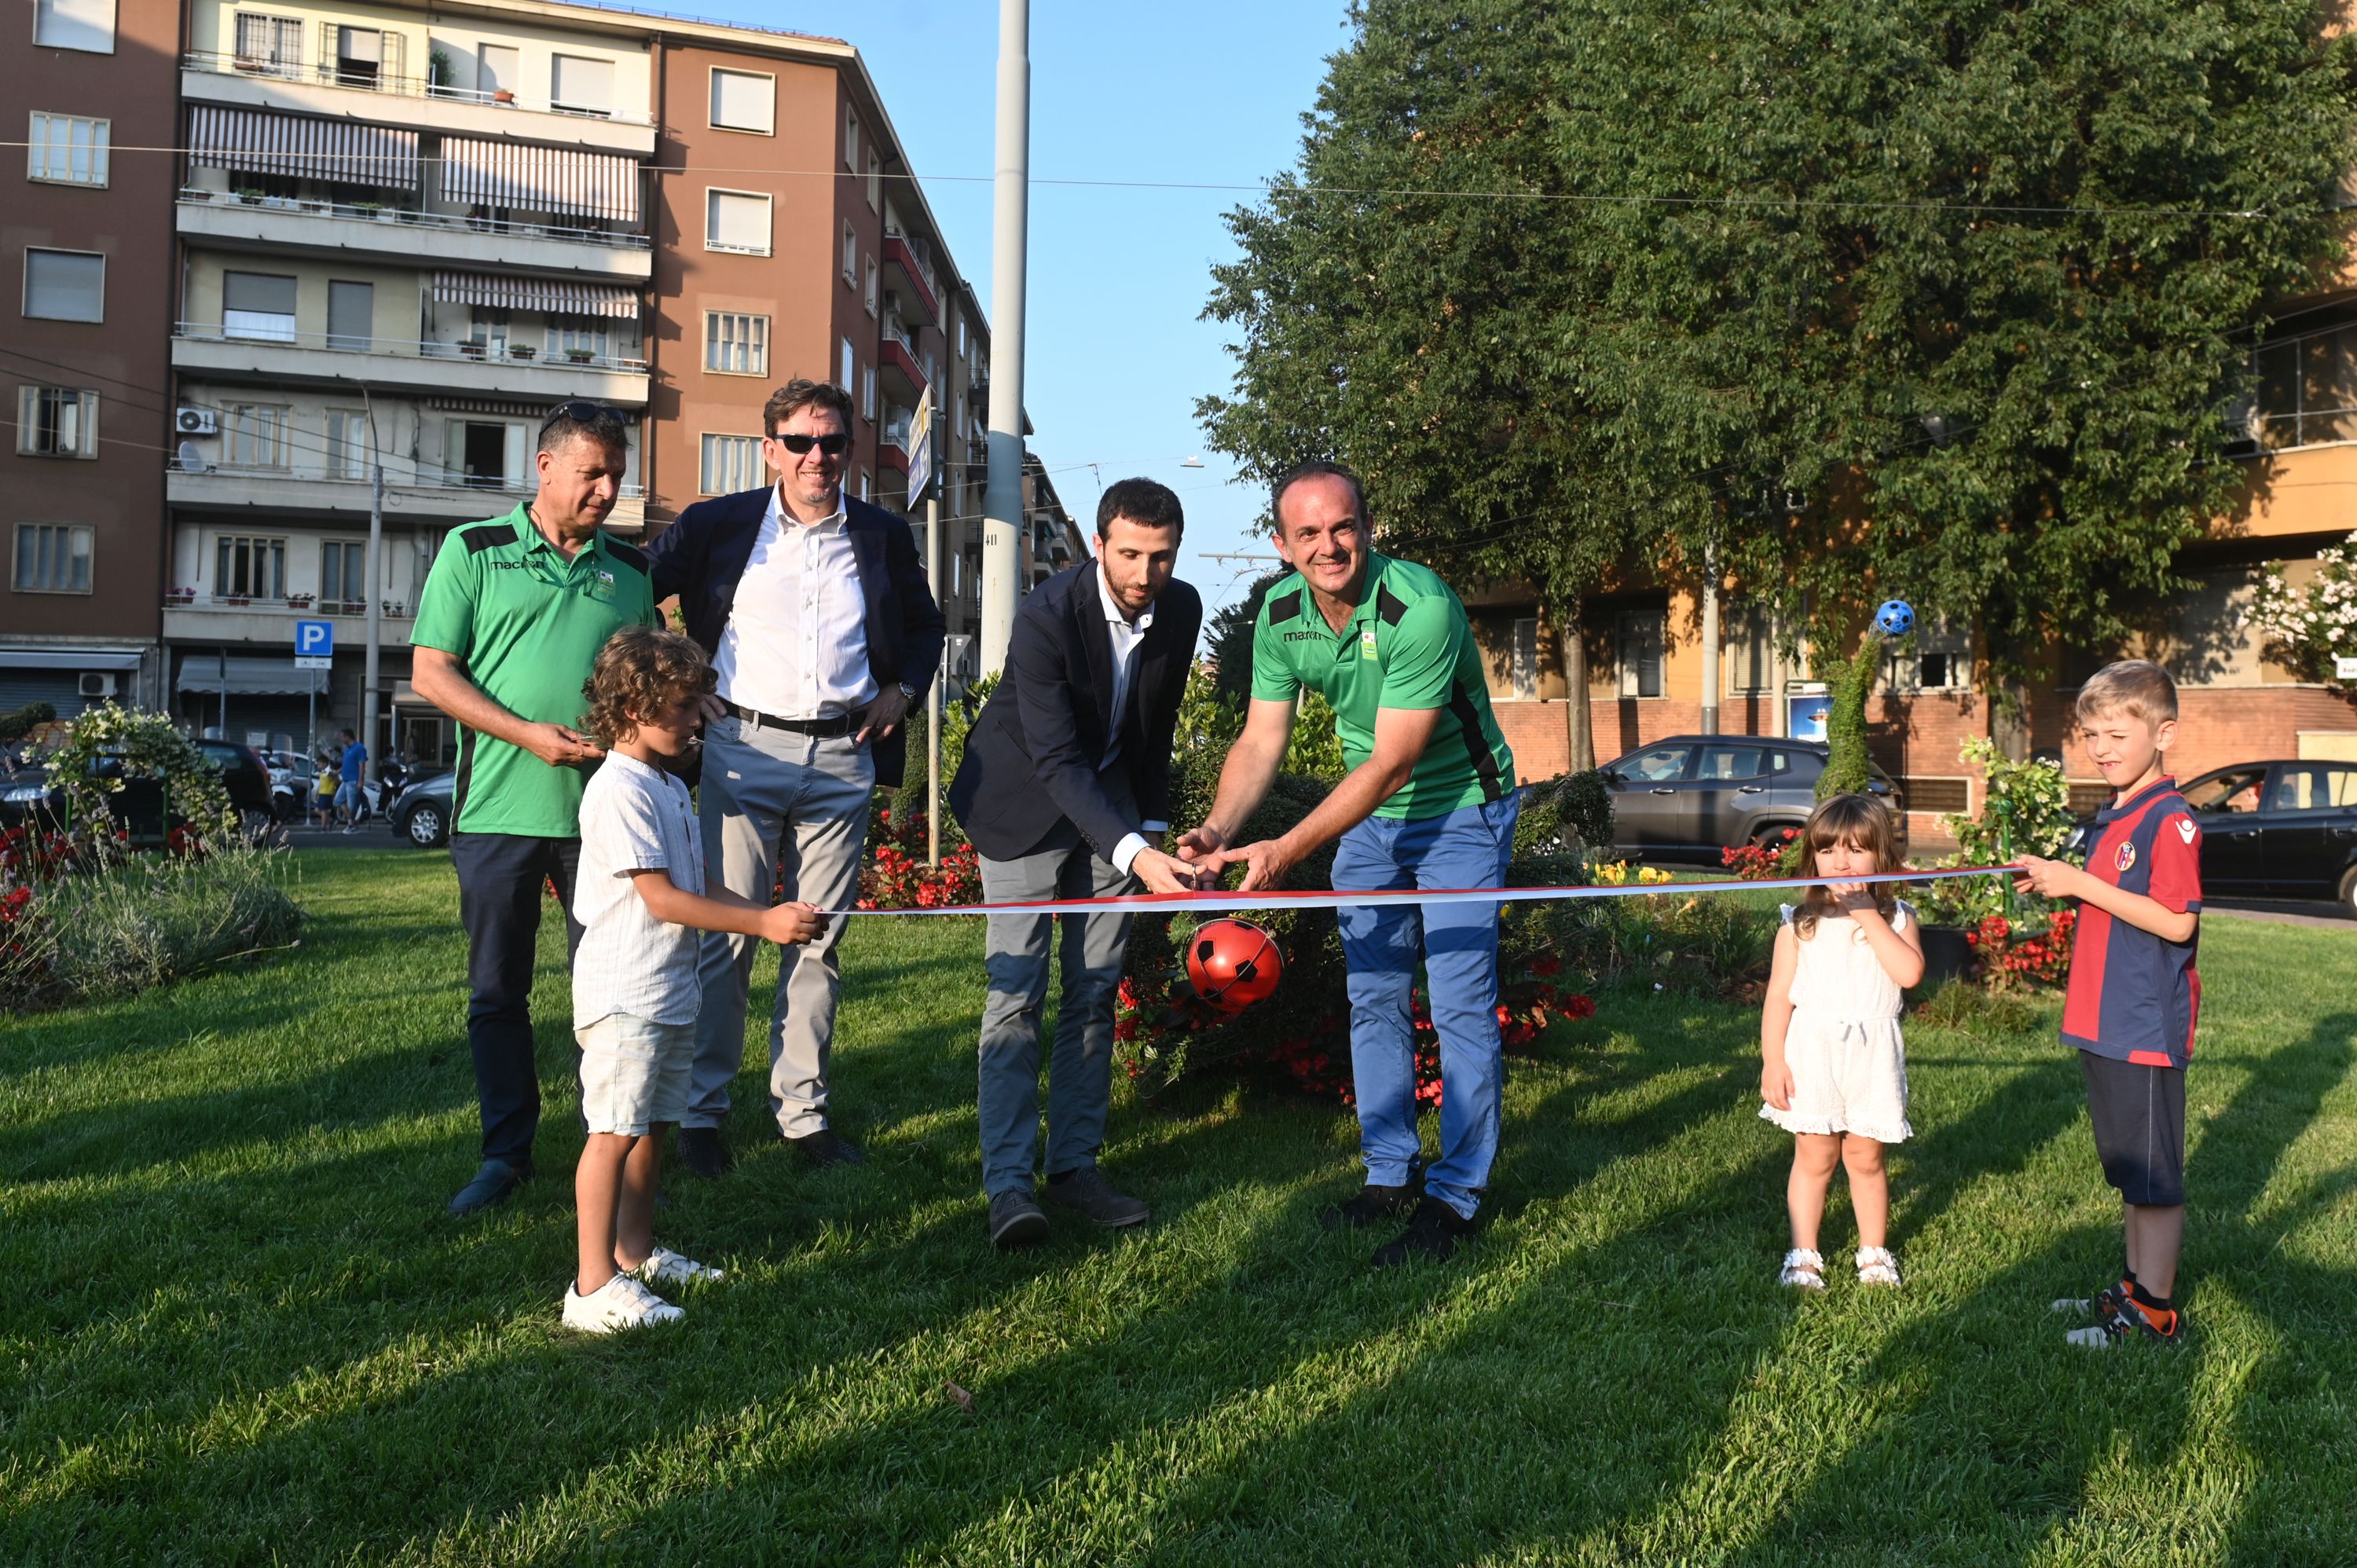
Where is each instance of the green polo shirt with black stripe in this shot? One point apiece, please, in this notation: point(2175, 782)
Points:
point(527, 623)
point(1407, 645)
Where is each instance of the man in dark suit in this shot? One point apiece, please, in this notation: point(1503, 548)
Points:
point(1065, 792)
point(814, 611)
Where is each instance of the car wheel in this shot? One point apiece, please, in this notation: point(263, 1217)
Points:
point(424, 826)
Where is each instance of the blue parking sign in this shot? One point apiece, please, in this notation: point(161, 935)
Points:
point(315, 644)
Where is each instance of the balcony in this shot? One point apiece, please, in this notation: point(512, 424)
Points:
point(907, 275)
point(410, 100)
point(400, 235)
point(319, 359)
point(423, 496)
point(219, 617)
point(903, 377)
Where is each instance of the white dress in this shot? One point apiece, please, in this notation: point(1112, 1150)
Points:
point(1848, 1065)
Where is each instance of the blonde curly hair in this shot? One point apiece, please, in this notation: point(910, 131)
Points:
point(640, 671)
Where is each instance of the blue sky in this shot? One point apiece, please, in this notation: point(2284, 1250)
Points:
point(1210, 92)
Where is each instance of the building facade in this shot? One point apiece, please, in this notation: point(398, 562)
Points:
point(85, 246)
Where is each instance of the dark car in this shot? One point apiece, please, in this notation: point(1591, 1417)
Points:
point(29, 792)
point(247, 778)
point(420, 814)
point(1691, 796)
point(2273, 829)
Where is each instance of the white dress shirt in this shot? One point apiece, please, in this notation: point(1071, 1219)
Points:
point(796, 642)
point(1126, 635)
point(634, 817)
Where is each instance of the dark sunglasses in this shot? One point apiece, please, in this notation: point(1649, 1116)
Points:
point(832, 446)
point(578, 412)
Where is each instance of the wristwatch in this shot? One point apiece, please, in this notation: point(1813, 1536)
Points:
point(907, 691)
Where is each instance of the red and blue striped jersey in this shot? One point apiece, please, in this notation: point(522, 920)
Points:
point(2133, 996)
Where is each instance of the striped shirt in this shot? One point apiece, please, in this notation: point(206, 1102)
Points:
point(634, 818)
point(2133, 996)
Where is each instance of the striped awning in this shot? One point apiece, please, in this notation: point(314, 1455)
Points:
point(336, 150)
point(540, 179)
point(555, 296)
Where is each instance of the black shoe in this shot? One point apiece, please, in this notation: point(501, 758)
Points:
point(1016, 1219)
point(1086, 1192)
point(703, 1152)
point(1375, 1204)
point(492, 1186)
point(822, 1148)
point(1432, 1233)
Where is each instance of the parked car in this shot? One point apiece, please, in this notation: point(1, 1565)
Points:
point(420, 814)
point(2273, 829)
point(31, 792)
point(1690, 796)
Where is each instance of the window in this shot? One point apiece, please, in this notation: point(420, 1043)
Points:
point(361, 54)
point(258, 304)
point(850, 254)
point(52, 558)
point(850, 138)
point(486, 454)
point(736, 345)
point(87, 25)
point(2233, 791)
point(247, 568)
point(56, 422)
point(865, 493)
point(65, 149)
point(1641, 639)
point(499, 68)
point(269, 46)
point(1524, 668)
point(742, 101)
point(1748, 647)
point(254, 435)
point(2314, 787)
point(874, 183)
point(65, 286)
point(731, 463)
point(1941, 661)
point(850, 377)
point(348, 443)
point(583, 336)
point(867, 393)
point(1657, 766)
point(1729, 763)
point(874, 286)
point(736, 220)
point(580, 86)
point(2307, 388)
point(352, 315)
point(343, 577)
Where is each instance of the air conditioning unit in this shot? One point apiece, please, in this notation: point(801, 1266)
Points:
point(99, 683)
point(196, 422)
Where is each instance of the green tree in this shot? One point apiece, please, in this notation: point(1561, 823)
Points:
point(1942, 301)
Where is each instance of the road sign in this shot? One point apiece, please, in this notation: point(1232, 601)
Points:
point(314, 645)
point(2344, 668)
point(921, 449)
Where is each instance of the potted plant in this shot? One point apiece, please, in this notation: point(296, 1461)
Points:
point(502, 96)
point(520, 351)
point(237, 599)
point(437, 69)
point(368, 208)
point(580, 356)
point(249, 195)
point(472, 350)
point(298, 601)
point(180, 595)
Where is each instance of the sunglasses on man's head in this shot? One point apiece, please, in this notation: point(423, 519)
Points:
point(578, 412)
point(832, 446)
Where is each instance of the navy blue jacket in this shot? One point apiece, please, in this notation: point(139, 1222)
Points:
point(1031, 759)
point(702, 555)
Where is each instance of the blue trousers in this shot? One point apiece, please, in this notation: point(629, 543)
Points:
point(500, 881)
point(1466, 848)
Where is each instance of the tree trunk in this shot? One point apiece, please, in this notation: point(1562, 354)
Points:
point(2009, 717)
point(1579, 730)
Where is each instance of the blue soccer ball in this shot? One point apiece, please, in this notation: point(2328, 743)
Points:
point(1896, 618)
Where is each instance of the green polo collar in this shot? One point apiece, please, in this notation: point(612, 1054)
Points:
point(528, 536)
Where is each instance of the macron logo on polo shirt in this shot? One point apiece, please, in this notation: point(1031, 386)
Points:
point(2132, 996)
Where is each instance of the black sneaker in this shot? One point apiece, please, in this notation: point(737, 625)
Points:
point(1375, 1204)
point(822, 1148)
point(1432, 1233)
point(703, 1152)
point(1016, 1219)
point(493, 1184)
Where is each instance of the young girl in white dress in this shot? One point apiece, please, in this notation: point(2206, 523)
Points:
point(1833, 1070)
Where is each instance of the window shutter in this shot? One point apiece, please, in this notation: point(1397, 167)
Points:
point(65, 286)
point(744, 102)
point(580, 84)
point(87, 433)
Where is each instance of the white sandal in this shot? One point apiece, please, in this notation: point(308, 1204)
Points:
point(1803, 1269)
point(1875, 1266)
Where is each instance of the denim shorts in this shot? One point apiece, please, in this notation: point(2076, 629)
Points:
point(634, 1073)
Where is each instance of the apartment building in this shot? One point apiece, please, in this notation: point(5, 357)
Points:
point(85, 247)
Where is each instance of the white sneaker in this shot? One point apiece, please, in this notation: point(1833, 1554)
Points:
point(620, 1302)
point(665, 1267)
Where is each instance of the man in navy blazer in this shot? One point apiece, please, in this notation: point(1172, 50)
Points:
point(815, 613)
point(1065, 792)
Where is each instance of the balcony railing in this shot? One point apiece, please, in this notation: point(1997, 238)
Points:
point(406, 216)
point(325, 73)
point(422, 478)
point(344, 343)
point(302, 603)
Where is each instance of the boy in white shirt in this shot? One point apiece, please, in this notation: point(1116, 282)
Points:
point(640, 897)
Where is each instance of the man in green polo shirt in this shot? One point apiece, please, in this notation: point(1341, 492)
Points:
point(1428, 803)
point(512, 615)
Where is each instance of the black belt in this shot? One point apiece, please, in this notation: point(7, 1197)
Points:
point(820, 730)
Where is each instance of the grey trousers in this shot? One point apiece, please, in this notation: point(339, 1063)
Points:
point(772, 800)
point(1080, 1073)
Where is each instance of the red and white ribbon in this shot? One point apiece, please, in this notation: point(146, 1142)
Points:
point(1229, 903)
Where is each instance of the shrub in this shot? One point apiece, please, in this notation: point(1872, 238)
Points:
point(2026, 810)
point(1584, 806)
point(110, 746)
point(1759, 861)
point(2311, 625)
point(16, 725)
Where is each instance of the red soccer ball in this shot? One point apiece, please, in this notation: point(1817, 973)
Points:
point(1232, 964)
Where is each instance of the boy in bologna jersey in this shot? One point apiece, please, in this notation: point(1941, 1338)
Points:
point(2133, 993)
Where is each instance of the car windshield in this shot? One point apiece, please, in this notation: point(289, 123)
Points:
point(2235, 789)
point(1656, 763)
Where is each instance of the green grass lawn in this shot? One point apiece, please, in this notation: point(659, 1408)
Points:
point(240, 1326)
